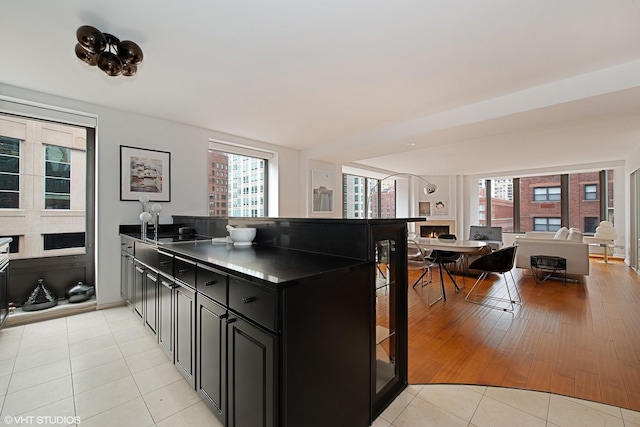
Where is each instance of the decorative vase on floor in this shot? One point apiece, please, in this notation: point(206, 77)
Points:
point(40, 298)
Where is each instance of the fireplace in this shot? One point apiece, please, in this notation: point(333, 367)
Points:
point(433, 230)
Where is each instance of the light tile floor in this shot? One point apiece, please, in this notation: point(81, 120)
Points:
point(103, 368)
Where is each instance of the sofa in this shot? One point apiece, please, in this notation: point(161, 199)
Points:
point(576, 252)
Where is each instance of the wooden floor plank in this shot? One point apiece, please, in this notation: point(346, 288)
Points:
point(580, 340)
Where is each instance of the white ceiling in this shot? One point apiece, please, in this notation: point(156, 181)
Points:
point(419, 86)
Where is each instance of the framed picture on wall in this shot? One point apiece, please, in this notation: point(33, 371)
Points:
point(321, 191)
point(145, 172)
point(441, 207)
point(424, 208)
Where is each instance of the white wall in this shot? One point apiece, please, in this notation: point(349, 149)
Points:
point(188, 146)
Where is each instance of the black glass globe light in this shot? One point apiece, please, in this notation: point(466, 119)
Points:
point(111, 55)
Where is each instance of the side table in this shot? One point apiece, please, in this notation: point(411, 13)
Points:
point(603, 243)
point(546, 266)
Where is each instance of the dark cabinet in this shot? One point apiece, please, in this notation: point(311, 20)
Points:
point(126, 270)
point(176, 300)
point(251, 375)
point(185, 334)
point(211, 345)
point(138, 289)
point(166, 304)
point(311, 335)
point(4, 281)
point(150, 300)
point(126, 277)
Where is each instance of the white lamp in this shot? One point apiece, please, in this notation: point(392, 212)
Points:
point(605, 231)
point(605, 234)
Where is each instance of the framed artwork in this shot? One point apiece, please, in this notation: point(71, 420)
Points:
point(424, 208)
point(441, 207)
point(321, 191)
point(144, 171)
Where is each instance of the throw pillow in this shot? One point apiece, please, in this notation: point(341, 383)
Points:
point(562, 234)
point(575, 234)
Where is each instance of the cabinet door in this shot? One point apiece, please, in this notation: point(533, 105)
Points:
point(130, 278)
point(185, 322)
point(211, 345)
point(165, 327)
point(151, 300)
point(138, 290)
point(123, 276)
point(251, 375)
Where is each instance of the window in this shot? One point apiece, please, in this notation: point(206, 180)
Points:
point(353, 191)
point(243, 184)
point(546, 224)
point(14, 245)
point(578, 199)
point(368, 197)
point(63, 241)
point(502, 204)
point(591, 192)
point(57, 177)
point(546, 194)
point(9, 173)
point(590, 224)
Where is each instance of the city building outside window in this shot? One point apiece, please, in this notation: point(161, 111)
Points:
point(242, 184)
point(546, 194)
point(9, 173)
point(43, 203)
point(591, 192)
point(57, 178)
point(577, 199)
point(368, 197)
point(546, 224)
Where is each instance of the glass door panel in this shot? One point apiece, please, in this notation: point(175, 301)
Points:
point(385, 297)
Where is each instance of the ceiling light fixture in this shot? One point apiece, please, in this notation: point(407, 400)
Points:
point(429, 188)
point(111, 55)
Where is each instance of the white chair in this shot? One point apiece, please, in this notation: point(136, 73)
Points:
point(417, 261)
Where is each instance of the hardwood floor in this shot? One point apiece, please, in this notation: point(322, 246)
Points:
point(580, 340)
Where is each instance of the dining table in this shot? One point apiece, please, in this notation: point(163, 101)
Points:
point(462, 247)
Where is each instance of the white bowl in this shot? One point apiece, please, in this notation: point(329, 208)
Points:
point(242, 236)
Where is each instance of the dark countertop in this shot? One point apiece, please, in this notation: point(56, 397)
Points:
point(269, 265)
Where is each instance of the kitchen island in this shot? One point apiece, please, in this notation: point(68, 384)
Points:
point(268, 334)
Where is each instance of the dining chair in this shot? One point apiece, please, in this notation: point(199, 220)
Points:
point(500, 261)
point(445, 258)
point(417, 260)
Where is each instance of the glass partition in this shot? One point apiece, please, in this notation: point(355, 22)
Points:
point(386, 288)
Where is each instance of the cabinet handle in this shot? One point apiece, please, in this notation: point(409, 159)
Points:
point(183, 271)
point(211, 282)
point(233, 319)
point(164, 263)
point(224, 316)
point(248, 300)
